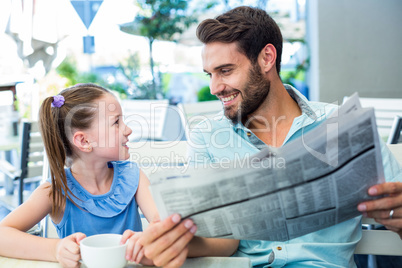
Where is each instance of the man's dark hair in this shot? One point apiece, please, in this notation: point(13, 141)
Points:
point(251, 28)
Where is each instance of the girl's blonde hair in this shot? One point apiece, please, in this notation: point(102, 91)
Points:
point(57, 123)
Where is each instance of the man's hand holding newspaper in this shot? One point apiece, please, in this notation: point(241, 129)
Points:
point(318, 181)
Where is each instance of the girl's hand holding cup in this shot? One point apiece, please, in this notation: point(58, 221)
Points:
point(68, 250)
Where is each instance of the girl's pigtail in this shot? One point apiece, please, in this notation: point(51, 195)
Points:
point(56, 154)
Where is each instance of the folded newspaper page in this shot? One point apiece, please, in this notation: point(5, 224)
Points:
point(317, 181)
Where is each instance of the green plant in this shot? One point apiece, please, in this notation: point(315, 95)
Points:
point(130, 67)
point(68, 69)
point(204, 94)
point(297, 74)
point(163, 20)
point(142, 91)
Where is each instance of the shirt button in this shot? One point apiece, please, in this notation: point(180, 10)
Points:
point(279, 248)
point(248, 134)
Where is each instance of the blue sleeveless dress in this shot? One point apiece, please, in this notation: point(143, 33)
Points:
point(113, 212)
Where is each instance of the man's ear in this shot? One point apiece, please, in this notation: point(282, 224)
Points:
point(267, 58)
point(81, 142)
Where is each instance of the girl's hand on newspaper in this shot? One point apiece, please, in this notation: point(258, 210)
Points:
point(386, 210)
point(134, 251)
point(68, 250)
point(166, 242)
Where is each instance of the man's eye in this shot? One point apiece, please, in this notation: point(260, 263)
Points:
point(208, 74)
point(225, 71)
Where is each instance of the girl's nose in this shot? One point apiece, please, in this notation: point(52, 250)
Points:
point(127, 130)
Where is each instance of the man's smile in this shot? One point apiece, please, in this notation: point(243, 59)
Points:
point(227, 100)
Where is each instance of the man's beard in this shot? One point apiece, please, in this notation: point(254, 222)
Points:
point(254, 94)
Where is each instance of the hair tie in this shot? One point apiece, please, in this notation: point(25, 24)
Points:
point(58, 101)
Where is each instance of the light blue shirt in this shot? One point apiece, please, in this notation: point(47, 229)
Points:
point(112, 212)
point(218, 140)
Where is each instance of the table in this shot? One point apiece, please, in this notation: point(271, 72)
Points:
point(204, 262)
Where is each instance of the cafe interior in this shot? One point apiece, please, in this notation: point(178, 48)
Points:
point(332, 49)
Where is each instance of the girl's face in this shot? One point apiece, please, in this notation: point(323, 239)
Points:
point(108, 134)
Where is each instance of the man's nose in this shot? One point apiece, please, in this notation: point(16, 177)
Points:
point(216, 85)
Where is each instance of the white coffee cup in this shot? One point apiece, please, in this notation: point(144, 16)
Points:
point(103, 251)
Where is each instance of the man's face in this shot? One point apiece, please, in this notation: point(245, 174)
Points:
point(234, 80)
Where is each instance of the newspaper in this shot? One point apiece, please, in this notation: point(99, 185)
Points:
point(324, 175)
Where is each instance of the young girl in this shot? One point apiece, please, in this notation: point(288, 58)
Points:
point(98, 192)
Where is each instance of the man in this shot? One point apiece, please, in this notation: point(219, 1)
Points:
point(242, 55)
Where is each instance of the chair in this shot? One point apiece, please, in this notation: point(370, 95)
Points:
point(8, 120)
point(146, 118)
point(396, 150)
point(381, 242)
point(48, 230)
point(385, 111)
point(193, 113)
point(30, 167)
point(396, 129)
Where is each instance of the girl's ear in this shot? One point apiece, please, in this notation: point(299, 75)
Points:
point(267, 58)
point(80, 141)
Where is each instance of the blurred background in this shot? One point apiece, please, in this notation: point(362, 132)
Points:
point(148, 49)
point(47, 45)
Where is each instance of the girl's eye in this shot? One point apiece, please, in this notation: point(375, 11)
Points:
point(116, 122)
